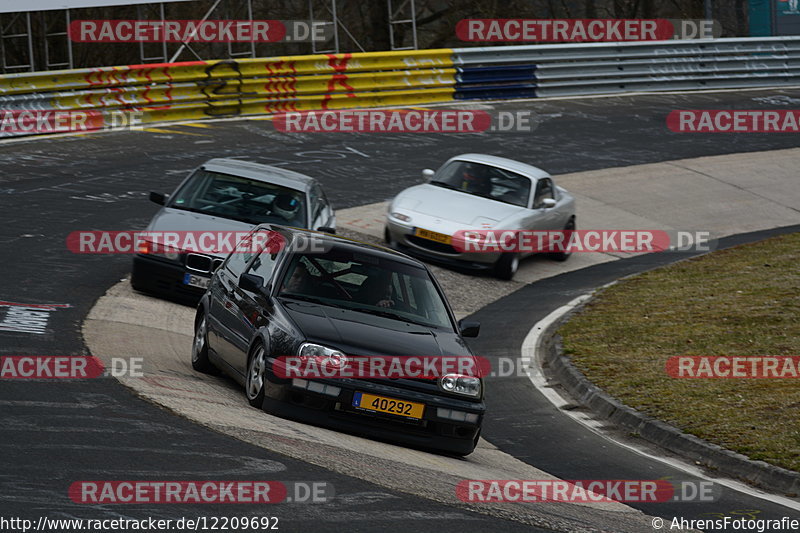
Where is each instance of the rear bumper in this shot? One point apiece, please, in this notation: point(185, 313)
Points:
point(337, 412)
point(156, 276)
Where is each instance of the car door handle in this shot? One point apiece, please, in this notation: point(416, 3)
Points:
point(229, 297)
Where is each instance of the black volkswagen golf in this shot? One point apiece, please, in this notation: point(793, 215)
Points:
point(306, 296)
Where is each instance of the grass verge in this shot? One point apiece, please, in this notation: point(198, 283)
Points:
point(742, 301)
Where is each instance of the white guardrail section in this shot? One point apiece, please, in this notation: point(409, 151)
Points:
point(608, 68)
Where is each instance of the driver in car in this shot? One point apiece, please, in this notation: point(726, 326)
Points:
point(287, 207)
point(300, 281)
point(475, 179)
point(377, 290)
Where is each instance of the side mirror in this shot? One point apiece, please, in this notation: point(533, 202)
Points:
point(428, 174)
point(548, 203)
point(158, 198)
point(469, 328)
point(251, 283)
point(325, 229)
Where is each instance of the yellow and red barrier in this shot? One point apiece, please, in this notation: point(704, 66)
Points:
point(207, 89)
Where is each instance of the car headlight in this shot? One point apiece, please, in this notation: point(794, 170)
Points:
point(173, 254)
point(156, 248)
point(400, 216)
point(460, 384)
point(330, 357)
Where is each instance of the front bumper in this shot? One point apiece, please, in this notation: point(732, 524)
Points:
point(284, 399)
point(157, 276)
point(406, 241)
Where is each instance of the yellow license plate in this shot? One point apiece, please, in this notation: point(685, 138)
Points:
point(382, 404)
point(433, 236)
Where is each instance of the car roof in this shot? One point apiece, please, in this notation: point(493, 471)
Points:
point(345, 243)
point(259, 172)
point(504, 163)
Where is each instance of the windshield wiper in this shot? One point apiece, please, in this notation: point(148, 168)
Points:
point(308, 298)
point(190, 209)
point(211, 213)
point(394, 316)
point(444, 184)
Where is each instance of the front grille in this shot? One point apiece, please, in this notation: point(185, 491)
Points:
point(416, 384)
point(204, 264)
point(433, 246)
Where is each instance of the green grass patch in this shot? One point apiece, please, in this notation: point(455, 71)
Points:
point(742, 301)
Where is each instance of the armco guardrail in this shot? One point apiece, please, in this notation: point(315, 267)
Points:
point(608, 68)
point(205, 89)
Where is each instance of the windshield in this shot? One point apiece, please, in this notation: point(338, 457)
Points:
point(485, 181)
point(367, 283)
point(242, 199)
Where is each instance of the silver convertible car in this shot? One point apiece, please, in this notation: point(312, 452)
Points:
point(477, 192)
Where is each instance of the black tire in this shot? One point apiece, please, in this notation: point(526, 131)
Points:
point(563, 256)
point(200, 361)
point(506, 266)
point(256, 380)
point(387, 238)
point(135, 285)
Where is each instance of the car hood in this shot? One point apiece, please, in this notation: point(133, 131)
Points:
point(453, 206)
point(358, 333)
point(169, 219)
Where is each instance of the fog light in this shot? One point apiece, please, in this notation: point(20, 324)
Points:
point(458, 416)
point(321, 388)
point(401, 216)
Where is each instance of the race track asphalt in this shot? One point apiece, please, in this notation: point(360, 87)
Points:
point(55, 433)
